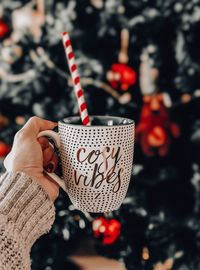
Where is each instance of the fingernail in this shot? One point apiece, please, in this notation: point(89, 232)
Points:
point(50, 167)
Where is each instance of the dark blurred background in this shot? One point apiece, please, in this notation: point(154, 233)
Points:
point(137, 59)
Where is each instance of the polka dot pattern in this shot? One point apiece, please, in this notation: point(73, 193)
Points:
point(110, 149)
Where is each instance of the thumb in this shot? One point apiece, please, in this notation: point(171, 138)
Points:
point(35, 124)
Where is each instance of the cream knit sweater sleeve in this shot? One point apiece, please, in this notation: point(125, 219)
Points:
point(26, 212)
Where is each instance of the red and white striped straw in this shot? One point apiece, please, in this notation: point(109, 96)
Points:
point(76, 79)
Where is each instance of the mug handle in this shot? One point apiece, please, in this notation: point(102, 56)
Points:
point(56, 139)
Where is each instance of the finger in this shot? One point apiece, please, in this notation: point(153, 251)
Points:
point(53, 164)
point(36, 124)
point(44, 142)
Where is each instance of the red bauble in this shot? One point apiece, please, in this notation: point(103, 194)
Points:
point(4, 149)
point(157, 136)
point(155, 129)
point(112, 233)
point(121, 76)
point(3, 28)
point(108, 230)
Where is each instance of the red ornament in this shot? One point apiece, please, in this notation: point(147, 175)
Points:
point(121, 76)
point(155, 129)
point(157, 136)
point(4, 149)
point(108, 230)
point(3, 28)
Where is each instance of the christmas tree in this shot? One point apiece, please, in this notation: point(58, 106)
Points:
point(137, 59)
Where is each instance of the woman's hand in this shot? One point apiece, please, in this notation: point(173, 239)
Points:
point(30, 155)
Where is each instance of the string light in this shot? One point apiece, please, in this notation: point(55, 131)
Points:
point(145, 253)
point(102, 229)
point(20, 120)
point(96, 224)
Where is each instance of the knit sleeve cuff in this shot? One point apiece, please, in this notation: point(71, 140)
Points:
point(24, 203)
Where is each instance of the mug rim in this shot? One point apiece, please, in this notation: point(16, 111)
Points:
point(128, 121)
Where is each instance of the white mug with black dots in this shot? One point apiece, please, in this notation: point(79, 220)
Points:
point(96, 161)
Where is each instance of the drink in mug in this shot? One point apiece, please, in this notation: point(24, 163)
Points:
point(96, 161)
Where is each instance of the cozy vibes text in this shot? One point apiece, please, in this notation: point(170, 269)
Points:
point(105, 164)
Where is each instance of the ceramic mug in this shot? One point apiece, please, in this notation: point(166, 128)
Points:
point(96, 161)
